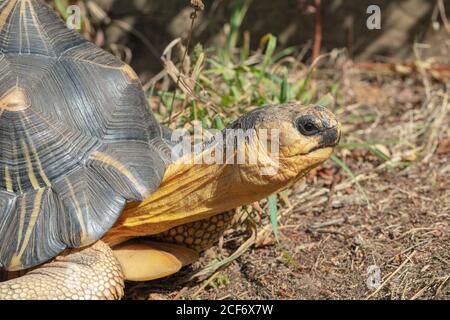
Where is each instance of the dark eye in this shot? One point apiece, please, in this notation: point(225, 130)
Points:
point(307, 126)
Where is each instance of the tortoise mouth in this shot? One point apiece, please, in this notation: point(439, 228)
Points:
point(320, 152)
point(14, 100)
point(317, 152)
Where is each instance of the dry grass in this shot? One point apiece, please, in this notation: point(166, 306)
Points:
point(396, 145)
point(328, 235)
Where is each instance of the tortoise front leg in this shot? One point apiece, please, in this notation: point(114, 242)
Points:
point(200, 235)
point(90, 273)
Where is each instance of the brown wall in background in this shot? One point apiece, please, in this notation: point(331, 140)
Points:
point(344, 25)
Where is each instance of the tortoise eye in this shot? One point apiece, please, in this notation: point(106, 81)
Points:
point(307, 126)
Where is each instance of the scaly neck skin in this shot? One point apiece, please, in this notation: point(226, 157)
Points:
point(191, 192)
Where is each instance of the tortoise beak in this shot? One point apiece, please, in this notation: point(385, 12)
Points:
point(330, 137)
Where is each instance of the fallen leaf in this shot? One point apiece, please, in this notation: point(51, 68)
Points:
point(398, 259)
point(409, 156)
point(444, 147)
point(349, 190)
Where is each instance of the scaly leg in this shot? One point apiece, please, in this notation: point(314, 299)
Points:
point(200, 235)
point(91, 273)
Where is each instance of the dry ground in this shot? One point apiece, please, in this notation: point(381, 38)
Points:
point(329, 236)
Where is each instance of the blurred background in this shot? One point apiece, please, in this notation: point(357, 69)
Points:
point(374, 221)
point(343, 25)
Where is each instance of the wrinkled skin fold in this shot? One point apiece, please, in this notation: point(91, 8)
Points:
point(90, 274)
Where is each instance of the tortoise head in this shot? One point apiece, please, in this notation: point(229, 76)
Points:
point(286, 142)
point(298, 139)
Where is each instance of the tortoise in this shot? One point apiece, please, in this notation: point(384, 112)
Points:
point(90, 193)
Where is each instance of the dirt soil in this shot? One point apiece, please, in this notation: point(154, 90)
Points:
point(331, 242)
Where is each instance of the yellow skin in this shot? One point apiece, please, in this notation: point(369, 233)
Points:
point(189, 192)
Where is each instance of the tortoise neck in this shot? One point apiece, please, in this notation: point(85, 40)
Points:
point(190, 192)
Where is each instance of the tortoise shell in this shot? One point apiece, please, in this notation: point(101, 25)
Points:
point(77, 137)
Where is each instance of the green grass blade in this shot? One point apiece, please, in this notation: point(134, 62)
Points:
point(270, 50)
point(380, 154)
point(284, 91)
point(326, 101)
point(273, 211)
point(218, 123)
point(353, 177)
point(303, 88)
point(237, 17)
point(61, 6)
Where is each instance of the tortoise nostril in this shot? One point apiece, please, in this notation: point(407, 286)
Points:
point(330, 137)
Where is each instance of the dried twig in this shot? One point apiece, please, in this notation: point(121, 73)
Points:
point(443, 15)
point(198, 6)
point(317, 30)
point(441, 287)
point(204, 285)
point(391, 276)
point(213, 269)
point(435, 128)
point(329, 223)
